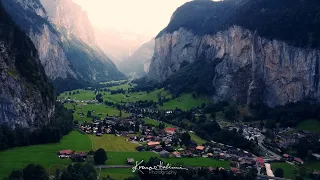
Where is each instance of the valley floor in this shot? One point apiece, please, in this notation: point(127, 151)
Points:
point(118, 150)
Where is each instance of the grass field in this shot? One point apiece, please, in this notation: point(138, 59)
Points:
point(122, 86)
point(117, 173)
point(100, 110)
point(287, 168)
point(184, 102)
point(117, 151)
point(110, 142)
point(312, 165)
point(83, 95)
point(156, 123)
point(18, 158)
point(119, 158)
point(197, 139)
point(136, 96)
point(309, 125)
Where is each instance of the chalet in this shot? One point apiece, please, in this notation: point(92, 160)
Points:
point(98, 134)
point(151, 143)
point(260, 161)
point(209, 154)
point(130, 161)
point(164, 154)
point(298, 160)
point(65, 153)
point(200, 148)
point(170, 130)
point(176, 154)
point(285, 156)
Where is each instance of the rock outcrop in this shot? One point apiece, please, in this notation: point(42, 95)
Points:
point(26, 95)
point(253, 69)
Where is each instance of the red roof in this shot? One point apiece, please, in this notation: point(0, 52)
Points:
point(298, 160)
point(170, 129)
point(176, 153)
point(260, 160)
point(66, 152)
point(153, 143)
point(286, 155)
point(201, 148)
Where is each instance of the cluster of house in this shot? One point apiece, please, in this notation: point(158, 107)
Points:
point(292, 159)
point(283, 139)
point(106, 126)
point(68, 153)
point(69, 100)
point(162, 144)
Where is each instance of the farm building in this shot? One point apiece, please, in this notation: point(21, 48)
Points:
point(130, 161)
point(170, 130)
point(151, 143)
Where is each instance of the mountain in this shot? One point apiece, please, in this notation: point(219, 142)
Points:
point(138, 62)
point(64, 38)
point(248, 51)
point(26, 95)
point(119, 45)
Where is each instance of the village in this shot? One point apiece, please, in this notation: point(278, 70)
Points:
point(167, 143)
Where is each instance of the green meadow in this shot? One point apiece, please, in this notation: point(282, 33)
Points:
point(184, 102)
point(100, 110)
point(83, 95)
point(287, 168)
point(46, 155)
point(110, 142)
point(197, 139)
point(155, 122)
point(136, 96)
point(312, 125)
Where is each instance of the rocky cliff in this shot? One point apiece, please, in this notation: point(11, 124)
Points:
point(62, 33)
point(26, 96)
point(32, 18)
point(247, 66)
point(70, 17)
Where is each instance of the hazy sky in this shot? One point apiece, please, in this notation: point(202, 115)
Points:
point(140, 16)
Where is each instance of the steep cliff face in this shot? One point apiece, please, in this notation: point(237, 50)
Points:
point(138, 61)
point(32, 18)
point(70, 17)
point(26, 96)
point(64, 38)
point(248, 68)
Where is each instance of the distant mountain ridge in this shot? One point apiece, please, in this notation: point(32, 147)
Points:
point(138, 62)
point(62, 33)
